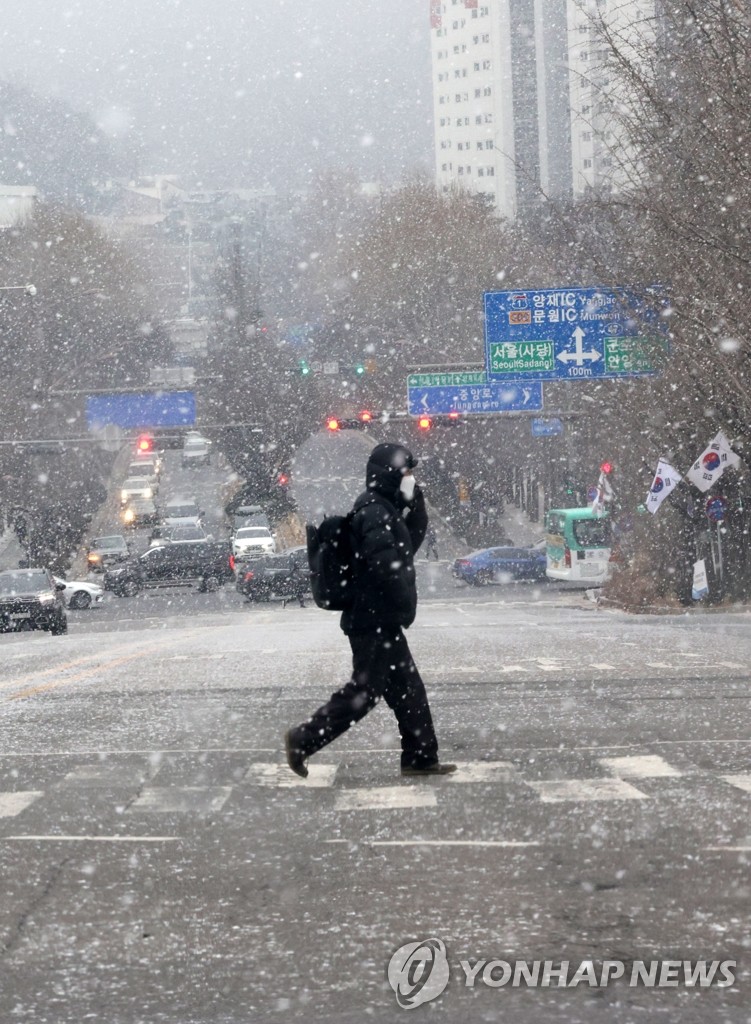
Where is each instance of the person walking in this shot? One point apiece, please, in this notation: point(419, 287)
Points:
point(431, 543)
point(388, 525)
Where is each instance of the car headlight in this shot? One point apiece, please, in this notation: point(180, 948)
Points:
point(123, 495)
point(94, 558)
point(129, 515)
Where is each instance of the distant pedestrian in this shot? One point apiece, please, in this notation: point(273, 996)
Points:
point(388, 525)
point(431, 543)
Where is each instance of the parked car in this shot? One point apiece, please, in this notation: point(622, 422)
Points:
point(140, 512)
point(108, 550)
point(181, 512)
point(196, 451)
point(79, 594)
point(252, 542)
point(30, 599)
point(206, 565)
point(135, 487)
point(177, 535)
point(282, 575)
point(502, 565)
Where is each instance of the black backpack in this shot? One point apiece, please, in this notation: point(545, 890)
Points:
point(331, 560)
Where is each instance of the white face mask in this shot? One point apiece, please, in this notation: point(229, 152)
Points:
point(407, 487)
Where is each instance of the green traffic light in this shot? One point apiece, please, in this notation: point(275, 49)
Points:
point(304, 368)
point(359, 369)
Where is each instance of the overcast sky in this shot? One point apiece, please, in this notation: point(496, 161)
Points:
point(237, 91)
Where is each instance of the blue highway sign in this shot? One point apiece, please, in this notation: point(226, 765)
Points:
point(572, 334)
point(547, 427)
point(438, 394)
point(141, 409)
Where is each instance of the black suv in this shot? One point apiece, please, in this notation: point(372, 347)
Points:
point(31, 599)
point(283, 575)
point(206, 565)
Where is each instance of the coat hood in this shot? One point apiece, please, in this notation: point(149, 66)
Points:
point(386, 466)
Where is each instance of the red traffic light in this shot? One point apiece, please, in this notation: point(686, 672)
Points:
point(332, 423)
point(282, 479)
point(424, 423)
point(365, 416)
point(454, 415)
point(606, 467)
point(145, 443)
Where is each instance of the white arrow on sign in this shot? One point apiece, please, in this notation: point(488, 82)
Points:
point(578, 355)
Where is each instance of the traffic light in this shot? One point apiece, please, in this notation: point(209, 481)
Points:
point(424, 423)
point(144, 444)
point(332, 424)
point(360, 369)
point(304, 368)
point(606, 468)
point(365, 416)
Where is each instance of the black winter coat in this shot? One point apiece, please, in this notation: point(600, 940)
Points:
point(385, 540)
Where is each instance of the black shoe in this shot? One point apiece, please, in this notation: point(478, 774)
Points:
point(430, 769)
point(294, 756)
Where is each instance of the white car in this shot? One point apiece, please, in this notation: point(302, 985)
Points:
point(145, 469)
point(181, 512)
point(196, 451)
point(78, 594)
point(136, 487)
point(253, 542)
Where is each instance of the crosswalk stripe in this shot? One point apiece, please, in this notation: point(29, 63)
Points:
point(12, 804)
point(482, 771)
point(741, 781)
point(560, 791)
point(644, 766)
point(182, 799)
point(320, 776)
point(385, 798)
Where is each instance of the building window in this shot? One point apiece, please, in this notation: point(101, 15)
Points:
point(478, 119)
point(486, 37)
point(480, 145)
point(469, 170)
point(491, 172)
point(461, 170)
point(586, 136)
point(478, 93)
point(476, 66)
point(484, 11)
point(488, 118)
point(584, 55)
point(486, 91)
point(487, 65)
point(480, 172)
point(587, 164)
point(488, 144)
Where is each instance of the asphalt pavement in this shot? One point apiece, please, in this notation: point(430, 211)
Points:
point(161, 863)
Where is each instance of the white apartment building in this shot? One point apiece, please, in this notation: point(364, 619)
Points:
point(518, 97)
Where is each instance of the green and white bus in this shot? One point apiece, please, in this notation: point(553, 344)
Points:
point(578, 545)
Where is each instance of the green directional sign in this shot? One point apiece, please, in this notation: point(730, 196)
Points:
point(446, 380)
point(522, 357)
point(631, 355)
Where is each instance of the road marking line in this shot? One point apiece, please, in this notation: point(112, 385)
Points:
point(482, 771)
point(384, 798)
point(740, 781)
point(179, 799)
point(12, 804)
point(320, 776)
point(79, 677)
point(727, 849)
point(602, 666)
point(644, 766)
point(560, 791)
point(513, 668)
point(658, 664)
point(732, 664)
point(94, 839)
point(508, 843)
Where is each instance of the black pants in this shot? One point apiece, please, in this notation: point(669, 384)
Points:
point(382, 666)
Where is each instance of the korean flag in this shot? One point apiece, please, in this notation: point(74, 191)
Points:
point(666, 480)
point(712, 463)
